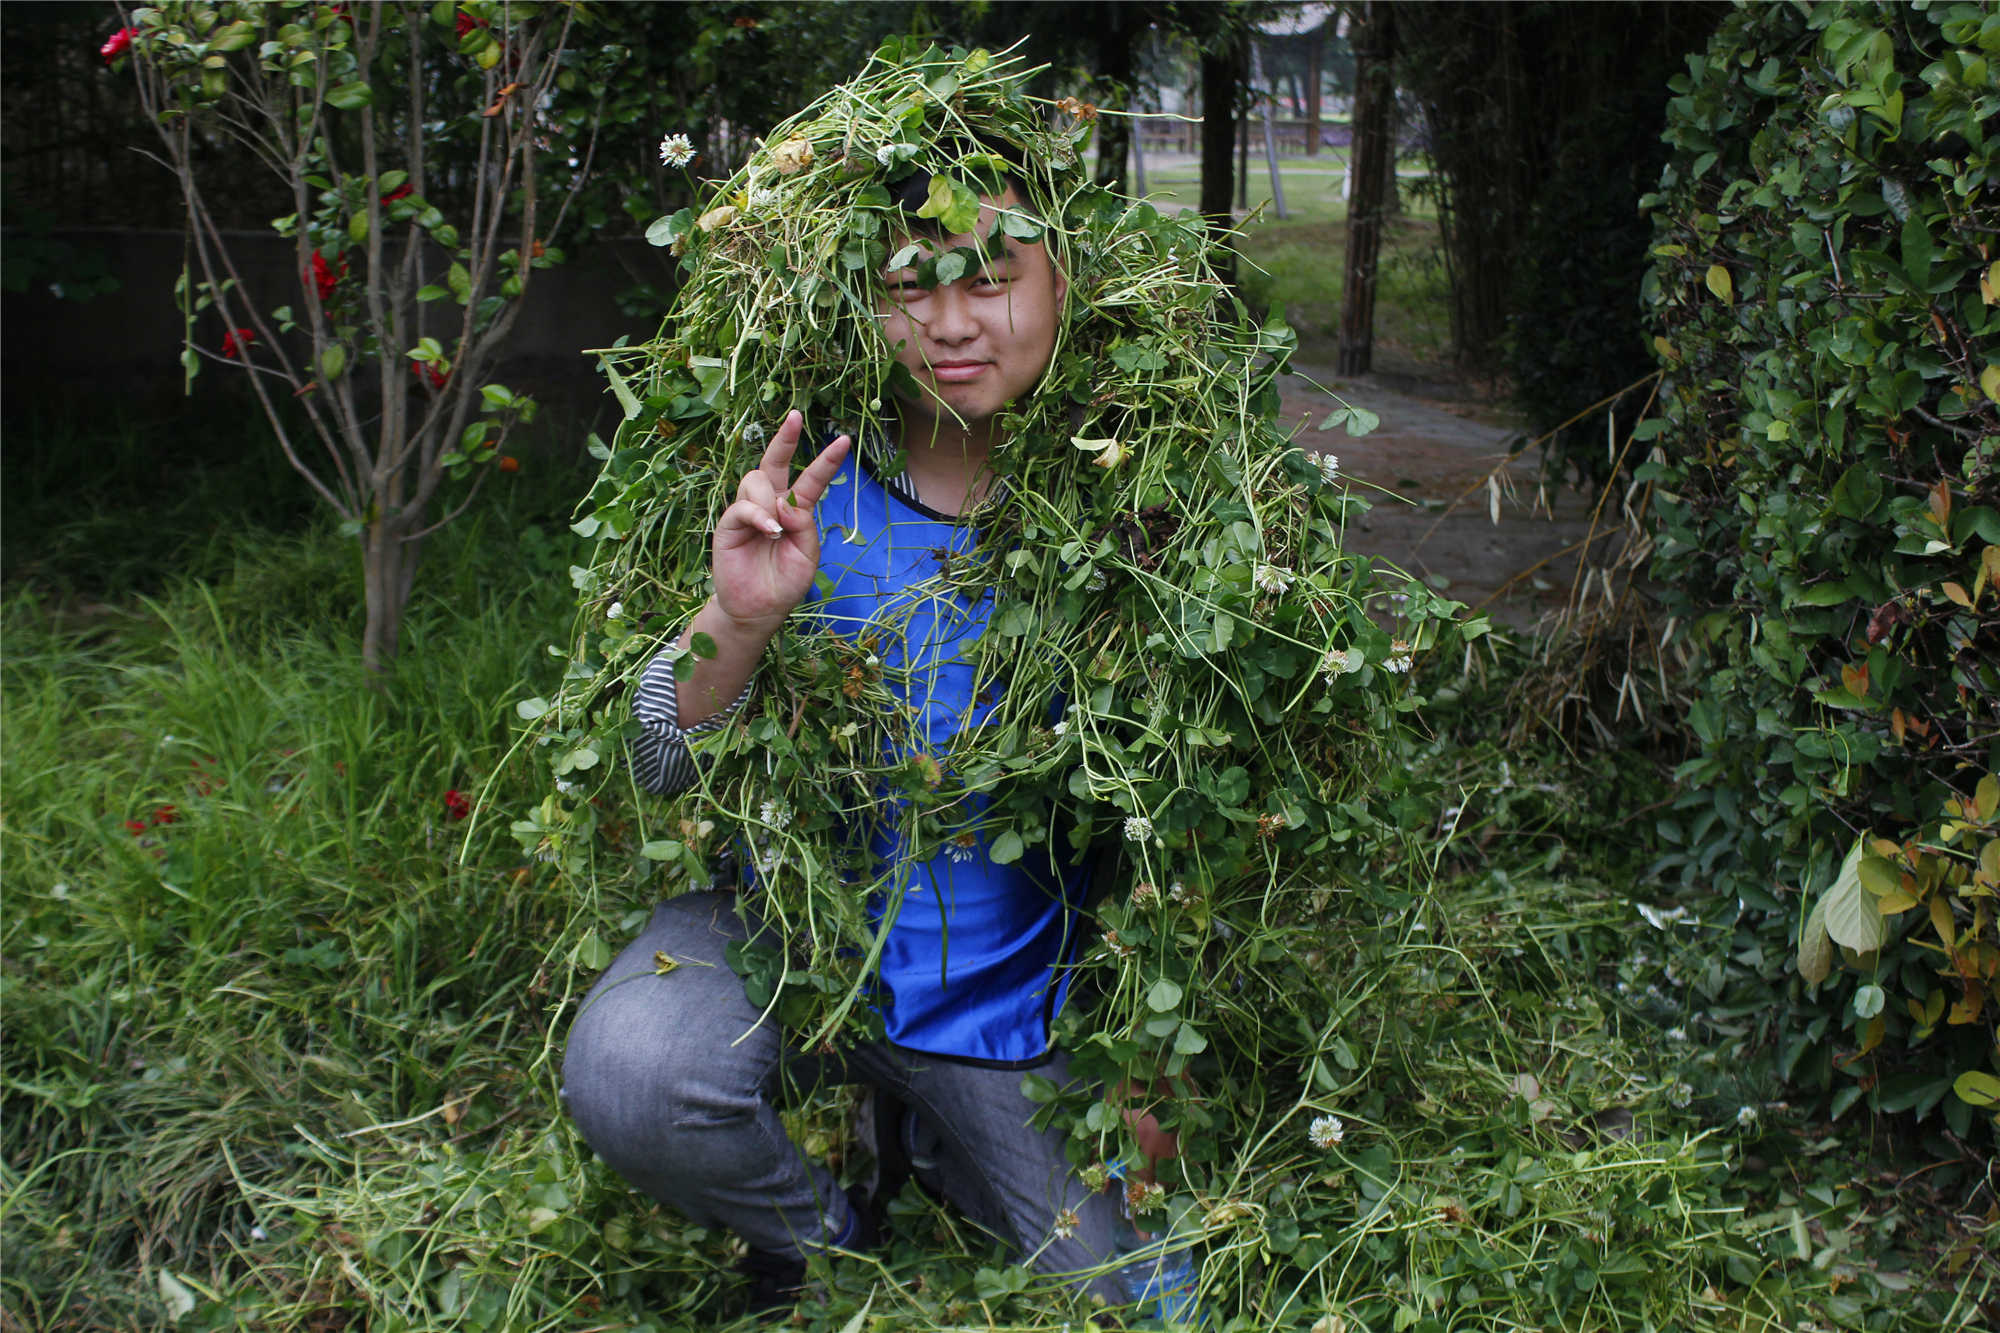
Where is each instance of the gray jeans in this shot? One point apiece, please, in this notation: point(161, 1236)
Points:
point(670, 1077)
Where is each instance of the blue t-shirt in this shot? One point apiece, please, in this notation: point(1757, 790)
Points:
point(972, 964)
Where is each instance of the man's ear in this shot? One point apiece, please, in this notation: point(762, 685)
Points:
point(1062, 285)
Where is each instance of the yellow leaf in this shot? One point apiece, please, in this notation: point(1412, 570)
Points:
point(1665, 348)
point(1934, 1008)
point(1957, 594)
point(1719, 283)
point(1989, 284)
point(1986, 796)
point(1965, 1010)
point(1873, 1036)
point(1941, 918)
point(1815, 948)
point(1989, 383)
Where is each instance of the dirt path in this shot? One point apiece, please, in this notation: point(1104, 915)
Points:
point(1436, 443)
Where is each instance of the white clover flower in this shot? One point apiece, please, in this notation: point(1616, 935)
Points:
point(1177, 892)
point(753, 433)
point(775, 814)
point(617, 611)
point(1329, 466)
point(1118, 947)
point(1138, 828)
point(1065, 1224)
point(1144, 894)
point(1061, 728)
point(566, 787)
point(763, 199)
point(1339, 662)
point(1680, 1094)
point(676, 150)
point(961, 848)
point(1326, 1131)
point(1272, 578)
point(1398, 660)
point(1746, 1116)
point(1096, 581)
point(1677, 1034)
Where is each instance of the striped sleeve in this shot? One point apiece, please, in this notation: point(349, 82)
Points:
point(660, 758)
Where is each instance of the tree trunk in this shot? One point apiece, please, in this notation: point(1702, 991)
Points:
point(1315, 48)
point(388, 564)
point(1373, 36)
point(1116, 57)
point(1222, 69)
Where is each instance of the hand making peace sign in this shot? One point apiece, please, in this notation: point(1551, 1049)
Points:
point(767, 542)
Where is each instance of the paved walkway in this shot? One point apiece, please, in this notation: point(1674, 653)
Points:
point(1432, 448)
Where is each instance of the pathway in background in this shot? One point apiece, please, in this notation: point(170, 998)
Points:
point(1436, 443)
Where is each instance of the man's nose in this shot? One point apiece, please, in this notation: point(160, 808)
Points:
point(951, 319)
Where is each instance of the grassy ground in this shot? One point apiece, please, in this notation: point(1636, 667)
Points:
point(281, 1029)
point(1295, 264)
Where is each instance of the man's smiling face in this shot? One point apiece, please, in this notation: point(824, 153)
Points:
point(977, 344)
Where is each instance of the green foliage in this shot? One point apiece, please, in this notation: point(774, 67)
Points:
point(1826, 503)
point(282, 1057)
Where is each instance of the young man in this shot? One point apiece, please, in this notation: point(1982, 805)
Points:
point(670, 1072)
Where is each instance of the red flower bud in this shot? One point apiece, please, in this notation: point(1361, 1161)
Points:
point(117, 44)
point(400, 192)
point(135, 826)
point(437, 377)
point(456, 806)
point(324, 277)
point(237, 341)
point(509, 463)
point(166, 814)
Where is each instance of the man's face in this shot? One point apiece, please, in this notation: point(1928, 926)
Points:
point(977, 344)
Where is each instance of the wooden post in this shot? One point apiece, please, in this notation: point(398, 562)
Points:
point(1373, 35)
point(1139, 154)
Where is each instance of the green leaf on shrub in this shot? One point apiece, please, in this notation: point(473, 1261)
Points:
point(1719, 283)
point(350, 95)
point(1978, 1087)
point(1815, 947)
point(1006, 849)
point(1852, 918)
point(1164, 995)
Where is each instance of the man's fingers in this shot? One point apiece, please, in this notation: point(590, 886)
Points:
point(777, 461)
point(745, 515)
point(753, 508)
point(812, 483)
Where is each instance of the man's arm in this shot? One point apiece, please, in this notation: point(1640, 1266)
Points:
point(766, 552)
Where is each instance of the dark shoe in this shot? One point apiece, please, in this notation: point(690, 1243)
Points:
point(777, 1281)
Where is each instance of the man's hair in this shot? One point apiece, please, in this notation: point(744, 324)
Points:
point(909, 193)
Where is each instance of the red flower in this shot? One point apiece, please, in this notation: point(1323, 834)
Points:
point(166, 814)
point(466, 23)
point(117, 44)
point(437, 377)
point(400, 192)
point(456, 806)
point(324, 277)
point(236, 342)
point(135, 826)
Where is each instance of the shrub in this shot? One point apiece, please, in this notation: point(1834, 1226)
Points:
point(1823, 296)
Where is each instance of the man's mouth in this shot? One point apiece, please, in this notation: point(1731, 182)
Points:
point(957, 372)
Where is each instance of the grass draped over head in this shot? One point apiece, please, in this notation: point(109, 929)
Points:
point(1195, 683)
